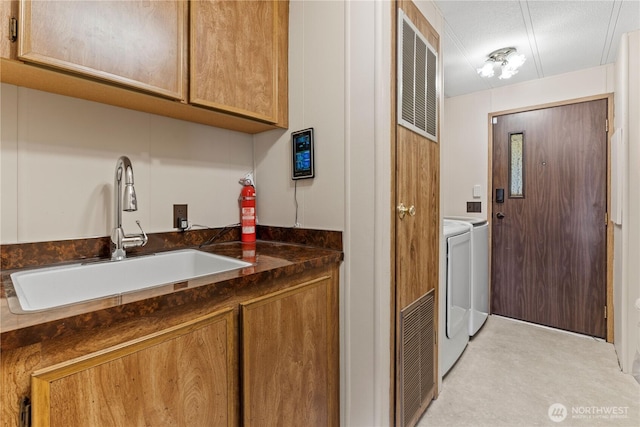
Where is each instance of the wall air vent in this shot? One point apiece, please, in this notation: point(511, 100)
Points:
point(417, 358)
point(417, 83)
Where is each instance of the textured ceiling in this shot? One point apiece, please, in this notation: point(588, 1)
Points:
point(555, 36)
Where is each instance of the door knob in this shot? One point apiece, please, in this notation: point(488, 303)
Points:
point(499, 215)
point(403, 210)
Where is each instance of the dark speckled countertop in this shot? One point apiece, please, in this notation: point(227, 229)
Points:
point(279, 252)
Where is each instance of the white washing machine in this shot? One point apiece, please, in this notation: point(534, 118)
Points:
point(479, 271)
point(455, 298)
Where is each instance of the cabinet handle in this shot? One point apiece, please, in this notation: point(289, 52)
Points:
point(13, 30)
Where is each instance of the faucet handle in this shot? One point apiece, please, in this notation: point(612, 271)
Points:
point(144, 235)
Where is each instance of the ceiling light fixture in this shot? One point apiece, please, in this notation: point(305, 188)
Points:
point(508, 58)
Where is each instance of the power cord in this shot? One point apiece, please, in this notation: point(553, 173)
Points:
point(224, 229)
point(296, 224)
point(191, 225)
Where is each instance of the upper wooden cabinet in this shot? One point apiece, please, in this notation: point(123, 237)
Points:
point(238, 56)
point(226, 62)
point(141, 44)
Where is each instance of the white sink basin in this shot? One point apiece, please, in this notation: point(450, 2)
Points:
point(51, 287)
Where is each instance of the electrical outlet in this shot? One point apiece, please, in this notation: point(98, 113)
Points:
point(474, 207)
point(180, 217)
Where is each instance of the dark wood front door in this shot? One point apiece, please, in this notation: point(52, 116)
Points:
point(549, 233)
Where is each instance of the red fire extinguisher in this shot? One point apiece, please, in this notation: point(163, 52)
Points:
point(247, 202)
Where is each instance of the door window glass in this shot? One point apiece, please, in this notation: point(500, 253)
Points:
point(516, 165)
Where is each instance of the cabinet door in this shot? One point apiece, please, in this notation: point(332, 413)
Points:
point(239, 56)
point(8, 10)
point(141, 44)
point(290, 357)
point(182, 376)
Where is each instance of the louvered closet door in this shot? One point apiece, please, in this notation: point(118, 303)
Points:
point(417, 201)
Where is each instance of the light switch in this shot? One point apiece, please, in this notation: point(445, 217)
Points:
point(476, 191)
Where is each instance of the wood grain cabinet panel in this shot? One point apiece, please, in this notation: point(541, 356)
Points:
point(230, 57)
point(140, 44)
point(290, 357)
point(238, 57)
point(8, 10)
point(182, 376)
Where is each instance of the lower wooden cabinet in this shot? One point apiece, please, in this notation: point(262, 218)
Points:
point(182, 376)
point(290, 356)
point(268, 358)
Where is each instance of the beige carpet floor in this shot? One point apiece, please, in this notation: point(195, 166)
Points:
point(517, 374)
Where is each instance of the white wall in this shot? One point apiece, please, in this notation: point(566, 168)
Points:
point(316, 99)
point(466, 133)
point(58, 156)
point(627, 235)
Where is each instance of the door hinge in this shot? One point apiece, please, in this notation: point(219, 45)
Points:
point(606, 125)
point(13, 29)
point(606, 218)
point(25, 412)
point(605, 311)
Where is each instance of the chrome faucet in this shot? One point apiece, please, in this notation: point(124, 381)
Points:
point(124, 201)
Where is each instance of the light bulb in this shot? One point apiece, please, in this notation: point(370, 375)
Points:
point(486, 70)
point(507, 73)
point(516, 60)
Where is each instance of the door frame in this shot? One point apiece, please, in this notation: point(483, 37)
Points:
point(609, 244)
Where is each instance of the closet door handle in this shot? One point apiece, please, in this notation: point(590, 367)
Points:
point(403, 210)
point(499, 215)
